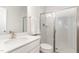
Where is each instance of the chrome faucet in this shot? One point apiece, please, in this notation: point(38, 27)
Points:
point(13, 35)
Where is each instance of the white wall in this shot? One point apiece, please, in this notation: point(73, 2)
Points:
point(33, 24)
point(14, 17)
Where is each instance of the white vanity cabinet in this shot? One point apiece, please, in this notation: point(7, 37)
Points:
point(21, 44)
point(32, 47)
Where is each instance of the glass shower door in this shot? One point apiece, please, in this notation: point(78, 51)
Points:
point(47, 28)
point(65, 25)
point(43, 28)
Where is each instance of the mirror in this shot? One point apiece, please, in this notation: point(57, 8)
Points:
point(13, 18)
point(2, 20)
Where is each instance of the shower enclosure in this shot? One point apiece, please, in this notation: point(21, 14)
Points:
point(65, 26)
point(59, 29)
point(47, 28)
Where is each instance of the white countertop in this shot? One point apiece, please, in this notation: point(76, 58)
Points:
point(11, 44)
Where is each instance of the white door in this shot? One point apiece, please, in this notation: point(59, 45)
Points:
point(65, 38)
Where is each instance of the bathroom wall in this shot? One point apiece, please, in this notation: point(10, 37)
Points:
point(14, 17)
point(33, 23)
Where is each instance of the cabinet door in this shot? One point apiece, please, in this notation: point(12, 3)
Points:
point(32, 47)
point(65, 30)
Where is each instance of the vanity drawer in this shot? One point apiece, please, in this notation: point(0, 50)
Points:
point(27, 48)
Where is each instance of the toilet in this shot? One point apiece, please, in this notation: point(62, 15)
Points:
point(46, 48)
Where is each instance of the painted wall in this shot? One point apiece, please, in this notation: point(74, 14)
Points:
point(33, 22)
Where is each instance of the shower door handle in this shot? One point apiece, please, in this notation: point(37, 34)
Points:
point(44, 25)
point(56, 48)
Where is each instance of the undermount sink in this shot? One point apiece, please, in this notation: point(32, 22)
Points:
point(9, 42)
point(15, 40)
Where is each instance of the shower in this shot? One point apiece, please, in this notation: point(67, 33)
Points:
point(58, 29)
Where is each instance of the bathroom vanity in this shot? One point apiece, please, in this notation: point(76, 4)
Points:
point(21, 44)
